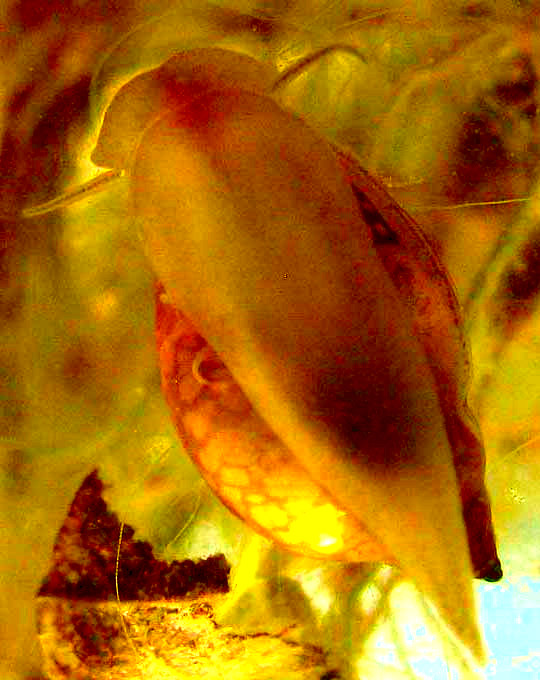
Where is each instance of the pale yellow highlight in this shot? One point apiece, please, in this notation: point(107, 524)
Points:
point(269, 516)
point(256, 498)
point(320, 528)
point(301, 506)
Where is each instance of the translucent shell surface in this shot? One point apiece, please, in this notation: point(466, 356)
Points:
point(310, 342)
point(241, 458)
point(181, 79)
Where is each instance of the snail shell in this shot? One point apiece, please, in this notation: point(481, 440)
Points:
point(310, 342)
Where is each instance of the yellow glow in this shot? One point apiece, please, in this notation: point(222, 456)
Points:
point(255, 498)
point(321, 527)
point(327, 541)
point(300, 507)
point(269, 516)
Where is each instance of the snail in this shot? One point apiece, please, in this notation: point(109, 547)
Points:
point(310, 342)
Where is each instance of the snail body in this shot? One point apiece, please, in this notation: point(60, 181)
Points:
point(310, 342)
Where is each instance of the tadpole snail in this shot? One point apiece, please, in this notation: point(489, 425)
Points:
point(310, 342)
